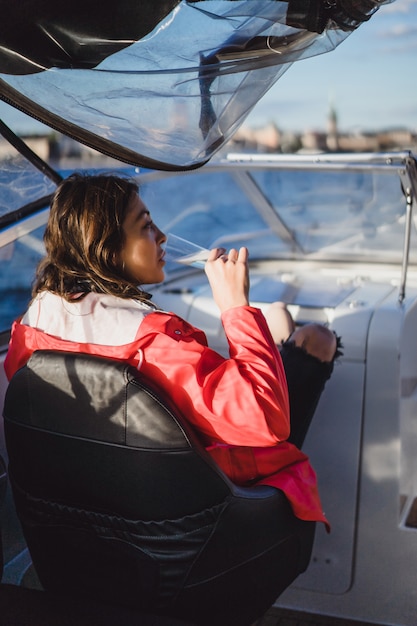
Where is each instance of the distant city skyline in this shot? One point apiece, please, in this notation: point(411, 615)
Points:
point(369, 79)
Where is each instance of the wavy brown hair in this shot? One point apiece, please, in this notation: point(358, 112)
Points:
point(84, 238)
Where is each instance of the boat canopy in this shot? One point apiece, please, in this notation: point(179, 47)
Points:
point(159, 83)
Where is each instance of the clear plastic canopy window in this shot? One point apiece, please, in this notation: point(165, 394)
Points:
point(159, 83)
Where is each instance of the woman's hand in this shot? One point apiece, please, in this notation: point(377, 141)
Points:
point(228, 275)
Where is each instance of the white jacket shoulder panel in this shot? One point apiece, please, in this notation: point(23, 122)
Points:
point(98, 318)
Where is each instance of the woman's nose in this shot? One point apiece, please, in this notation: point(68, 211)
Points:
point(161, 236)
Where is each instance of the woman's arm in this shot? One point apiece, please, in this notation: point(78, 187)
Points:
point(242, 400)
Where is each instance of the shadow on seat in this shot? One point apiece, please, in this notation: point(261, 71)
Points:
point(31, 607)
point(121, 504)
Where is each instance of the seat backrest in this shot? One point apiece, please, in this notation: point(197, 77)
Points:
point(92, 432)
point(119, 502)
point(3, 481)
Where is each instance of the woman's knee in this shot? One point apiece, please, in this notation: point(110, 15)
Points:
point(279, 321)
point(316, 340)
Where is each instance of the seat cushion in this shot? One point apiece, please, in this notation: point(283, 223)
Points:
point(30, 607)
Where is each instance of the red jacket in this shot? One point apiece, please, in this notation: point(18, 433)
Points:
point(239, 405)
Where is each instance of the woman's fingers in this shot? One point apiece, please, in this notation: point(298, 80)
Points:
point(216, 253)
point(228, 274)
point(243, 255)
point(233, 255)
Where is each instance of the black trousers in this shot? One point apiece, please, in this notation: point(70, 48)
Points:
point(306, 378)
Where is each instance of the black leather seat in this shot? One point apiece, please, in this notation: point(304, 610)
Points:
point(3, 483)
point(3, 480)
point(120, 503)
point(21, 606)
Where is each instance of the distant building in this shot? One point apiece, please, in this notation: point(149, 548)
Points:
point(313, 141)
point(397, 138)
point(359, 142)
point(332, 138)
point(39, 145)
point(265, 139)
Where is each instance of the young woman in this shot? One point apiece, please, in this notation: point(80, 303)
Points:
point(101, 248)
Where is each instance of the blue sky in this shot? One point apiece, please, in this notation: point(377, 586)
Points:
point(370, 78)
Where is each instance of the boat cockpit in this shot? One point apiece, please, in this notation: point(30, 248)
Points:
point(162, 87)
point(334, 237)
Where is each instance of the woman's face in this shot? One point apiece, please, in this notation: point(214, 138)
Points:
point(142, 255)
